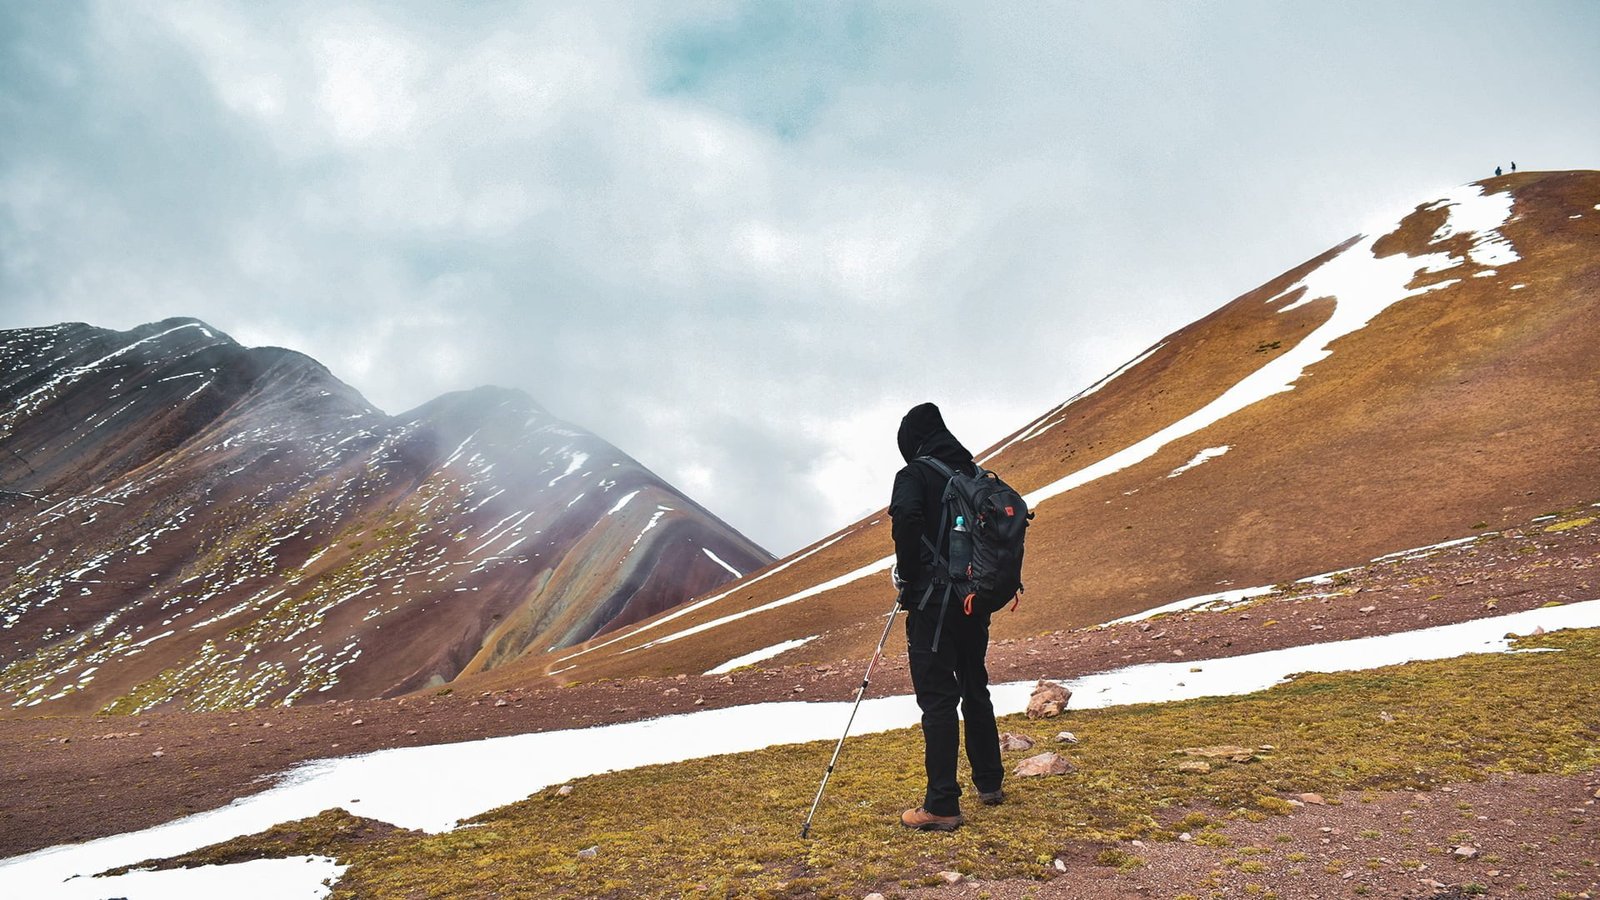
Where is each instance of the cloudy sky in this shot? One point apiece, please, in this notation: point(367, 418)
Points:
point(739, 239)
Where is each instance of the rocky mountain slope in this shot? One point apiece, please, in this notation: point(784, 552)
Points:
point(184, 521)
point(1432, 380)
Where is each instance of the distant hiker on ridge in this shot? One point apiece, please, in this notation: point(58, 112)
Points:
point(1513, 166)
point(947, 657)
point(1497, 171)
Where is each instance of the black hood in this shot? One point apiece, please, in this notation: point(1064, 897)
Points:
point(923, 433)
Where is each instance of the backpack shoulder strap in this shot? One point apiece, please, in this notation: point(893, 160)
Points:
point(938, 466)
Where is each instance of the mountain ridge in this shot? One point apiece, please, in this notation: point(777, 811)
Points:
point(239, 502)
point(1450, 388)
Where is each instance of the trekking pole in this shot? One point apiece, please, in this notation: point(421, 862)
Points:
point(866, 679)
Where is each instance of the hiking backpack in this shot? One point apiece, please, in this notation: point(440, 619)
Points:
point(987, 521)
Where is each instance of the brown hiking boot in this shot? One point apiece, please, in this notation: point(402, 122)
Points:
point(922, 820)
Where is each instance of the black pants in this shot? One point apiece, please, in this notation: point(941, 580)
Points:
point(943, 676)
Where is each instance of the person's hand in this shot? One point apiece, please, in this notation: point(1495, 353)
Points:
point(894, 576)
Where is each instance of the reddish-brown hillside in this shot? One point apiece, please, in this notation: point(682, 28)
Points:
point(1402, 388)
point(184, 521)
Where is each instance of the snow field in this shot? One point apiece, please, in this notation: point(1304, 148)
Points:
point(756, 656)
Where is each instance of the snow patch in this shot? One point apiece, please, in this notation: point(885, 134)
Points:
point(756, 656)
point(1416, 552)
point(621, 503)
point(574, 463)
point(654, 520)
point(719, 561)
point(1208, 453)
point(1207, 602)
point(293, 878)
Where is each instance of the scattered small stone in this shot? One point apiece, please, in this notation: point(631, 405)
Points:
point(356, 722)
point(1465, 852)
point(670, 691)
point(952, 877)
point(411, 732)
point(1066, 737)
point(798, 690)
point(699, 701)
point(589, 852)
point(1186, 837)
point(158, 753)
point(1313, 799)
point(1009, 741)
point(1061, 865)
point(564, 791)
point(1049, 700)
point(1369, 609)
point(874, 896)
point(501, 701)
point(681, 678)
point(1044, 764)
point(726, 679)
point(1198, 766)
point(1387, 719)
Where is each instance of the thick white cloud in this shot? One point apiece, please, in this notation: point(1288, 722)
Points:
point(738, 240)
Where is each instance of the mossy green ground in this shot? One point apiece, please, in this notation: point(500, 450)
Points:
point(728, 826)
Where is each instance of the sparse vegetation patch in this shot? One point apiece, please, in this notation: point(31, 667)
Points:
point(672, 830)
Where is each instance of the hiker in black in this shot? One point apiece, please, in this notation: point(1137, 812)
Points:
point(951, 672)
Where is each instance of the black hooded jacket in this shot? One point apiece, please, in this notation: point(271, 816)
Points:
point(916, 503)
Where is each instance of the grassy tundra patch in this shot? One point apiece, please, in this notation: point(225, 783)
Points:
point(729, 826)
